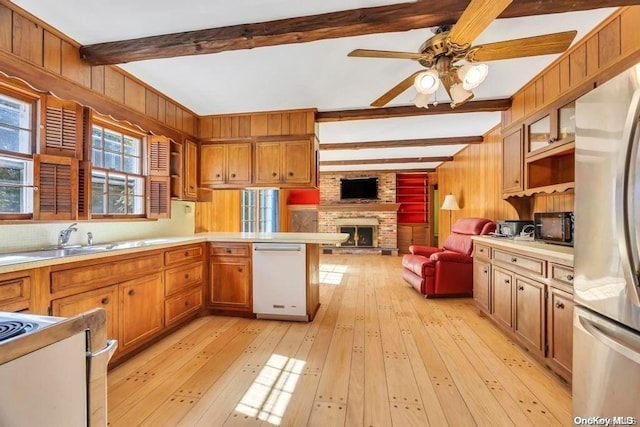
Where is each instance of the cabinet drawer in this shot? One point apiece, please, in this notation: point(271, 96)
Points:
point(533, 265)
point(183, 255)
point(562, 274)
point(15, 293)
point(481, 251)
point(106, 273)
point(182, 305)
point(179, 278)
point(230, 249)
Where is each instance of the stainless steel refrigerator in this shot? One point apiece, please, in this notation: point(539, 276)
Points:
point(606, 340)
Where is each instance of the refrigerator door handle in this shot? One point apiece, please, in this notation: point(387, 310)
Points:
point(618, 339)
point(625, 187)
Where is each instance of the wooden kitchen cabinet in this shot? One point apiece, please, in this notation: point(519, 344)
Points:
point(230, 277)
point(412, 234)
point(560, 331)
point(141, 310)
point(482, 278)
point(502, 296)
point(190, 170)
point(551, 128)
point(15, 291)
point(283, 162)
point(106, 298)
point(512, 161)
point(225, 164)
point(529, 313)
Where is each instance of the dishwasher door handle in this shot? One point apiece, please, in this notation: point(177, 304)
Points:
point(293, 248)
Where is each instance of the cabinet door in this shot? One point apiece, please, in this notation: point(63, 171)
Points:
point(512, 161)
point(230, 284)
point(405, 235)
point(238, 160)
point(502, 297)
point(268, 162)
point(560, 331)
point(529, 314)
point(481, 283)
point(190, 170)
point(106, 298)
point(141, 309)
point(297, 162)
point(212, 164)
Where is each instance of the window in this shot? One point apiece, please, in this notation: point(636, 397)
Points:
point(259, 210)
point(16, 155)
point(117, 180)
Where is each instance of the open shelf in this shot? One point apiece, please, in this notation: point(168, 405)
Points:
point(412, 193)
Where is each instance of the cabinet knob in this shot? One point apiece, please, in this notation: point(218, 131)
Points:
point(481, 250)
point(239, 269)
point(559, 305)
point(514, 259)
point(507, 281)
point(228, 251)
point(570, 277)
point(217, 175)
point(233, 175)
point(186, 253)
point(521, 288)
point(132, 292)
point(191, 187)
point(186, 303)
point(485, 271)
point(517, 181)
point(290, 173)
point(105, 300)
point(186, 276)
point(274, 174)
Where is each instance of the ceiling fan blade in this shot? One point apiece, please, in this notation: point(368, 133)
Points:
point(475, 18)
point(367, 53)
point(528, 46)
point(395, 91)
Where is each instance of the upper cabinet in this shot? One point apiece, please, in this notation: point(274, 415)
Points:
point(512, 161)
point(283, 162)
point(554, 129)
point(225, 165)
point(190, 170)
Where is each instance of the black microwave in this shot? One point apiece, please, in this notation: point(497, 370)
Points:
point(554, 227)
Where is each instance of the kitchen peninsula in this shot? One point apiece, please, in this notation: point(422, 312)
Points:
point(150, 286)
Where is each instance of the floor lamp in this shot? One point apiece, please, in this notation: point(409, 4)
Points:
point(450, 204)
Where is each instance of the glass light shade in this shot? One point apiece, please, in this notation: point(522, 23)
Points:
point(472, 75)
point(427, 82)
point(421, 100)
point(459, 95)
point(450, 203)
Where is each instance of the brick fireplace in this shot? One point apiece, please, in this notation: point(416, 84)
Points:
point(363, 232)
point(382, 213)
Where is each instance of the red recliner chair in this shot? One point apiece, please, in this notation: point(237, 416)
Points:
point(447, 271)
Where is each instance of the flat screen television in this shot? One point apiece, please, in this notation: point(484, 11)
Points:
point(358, 188)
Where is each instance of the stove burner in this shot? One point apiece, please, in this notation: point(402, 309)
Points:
point(13, 328)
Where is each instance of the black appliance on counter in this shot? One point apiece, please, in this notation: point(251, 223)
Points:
point(511, 227)
point(554, 227)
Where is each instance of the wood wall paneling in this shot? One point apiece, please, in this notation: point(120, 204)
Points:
point(565, 80)
point(74, 68)
point(27, 39)
point(244, 126)
point(259, 125)
point(629, 34)
point(114, 84)
point(97, 79)
point(592, 55)
point(551, 84)
point(577, 65)
point(517, 107)
point(206, 128)
point(170, 118)
point(151, 104)
point(221, 214)
point(162, 109)
point(609, 43)
point(52, 52)
point(134, 95)
point(188, 123)
point(6, 28)
point(274, 124)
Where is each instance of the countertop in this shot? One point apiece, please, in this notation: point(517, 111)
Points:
point(10, 262)
point(564, 253)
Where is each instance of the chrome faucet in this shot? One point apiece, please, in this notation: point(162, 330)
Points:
point(89, 238)
point(63, 237)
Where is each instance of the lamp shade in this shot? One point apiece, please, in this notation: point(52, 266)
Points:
point(459, 95)
point(450, 203)
point(427, 82)
point(421, 100)
point(472, 75)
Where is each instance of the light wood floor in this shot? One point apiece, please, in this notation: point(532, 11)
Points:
point(377, 354)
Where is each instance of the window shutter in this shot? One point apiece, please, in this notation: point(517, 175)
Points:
point(158, 198)
point(159, 152)
point(63, 128)
point(56, 180)
point(84, 190)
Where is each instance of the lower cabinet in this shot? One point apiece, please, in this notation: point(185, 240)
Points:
point(230, 277)
point(141, 309)
point(412, 234)
point(560, 330)
point(528, 296)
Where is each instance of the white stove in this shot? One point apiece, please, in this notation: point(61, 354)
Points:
point(13, 325)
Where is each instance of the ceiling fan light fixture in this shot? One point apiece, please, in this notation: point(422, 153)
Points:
point(459, 95)
point(421, 100)
point(427, 82)
point(472, 75)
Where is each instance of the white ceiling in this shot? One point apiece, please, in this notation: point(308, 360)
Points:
point(306, 75)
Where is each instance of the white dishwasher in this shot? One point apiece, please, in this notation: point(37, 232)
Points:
point(280, 281)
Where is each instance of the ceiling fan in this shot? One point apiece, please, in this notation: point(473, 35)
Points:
point(451, 44)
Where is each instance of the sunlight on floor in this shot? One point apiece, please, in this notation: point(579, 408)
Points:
point(268, 396)
point(331, 274)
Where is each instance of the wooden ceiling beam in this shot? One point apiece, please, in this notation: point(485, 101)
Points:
point(386, 161)
point(502, 104)
point(382, 19)
point(402, 143)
